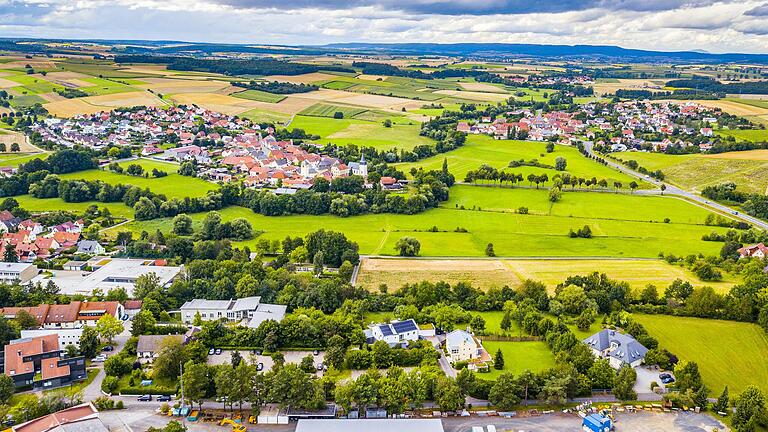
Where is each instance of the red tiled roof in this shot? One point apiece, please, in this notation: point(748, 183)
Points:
point(16, 351)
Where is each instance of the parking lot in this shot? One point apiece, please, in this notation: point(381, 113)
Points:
point(637, 422)
point(290, 357)
point(645, 376)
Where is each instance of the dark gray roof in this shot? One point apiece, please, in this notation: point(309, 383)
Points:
point(627, 348)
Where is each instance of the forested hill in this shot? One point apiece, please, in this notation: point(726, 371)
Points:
point(551, 51)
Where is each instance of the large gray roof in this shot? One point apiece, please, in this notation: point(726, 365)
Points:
point(628, 349)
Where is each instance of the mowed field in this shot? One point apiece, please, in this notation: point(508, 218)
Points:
point(749, 169)
point(727, 352)
point(482, 149)
point(487, 273)
point(403, 134)
point(172, 186)
point(518, 357)
point(512, 234)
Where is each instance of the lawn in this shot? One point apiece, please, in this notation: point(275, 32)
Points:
point(258, 95)
point(258, 116)
point(36, 205)
point(33, 84)
point(172, 186)
point(697, 171)
point(728, 353)
point(403, 134)
point(16, 159)
point(752, 135)
point(518, 357)
point(511, 234)
point(103, 86)
point(483, 149)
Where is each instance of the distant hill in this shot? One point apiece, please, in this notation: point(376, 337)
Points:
point(474, 50)
point(494, 50)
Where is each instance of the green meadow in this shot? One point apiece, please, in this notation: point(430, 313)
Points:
point(483, 149)
point(403, 134)
point(172, 186)
point(258, 95)
point(727, 352)
point(512, 234)
point(518, 357)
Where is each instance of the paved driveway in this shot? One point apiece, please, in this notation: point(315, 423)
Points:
point(645, 376)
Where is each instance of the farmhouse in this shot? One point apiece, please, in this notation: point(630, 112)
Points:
point(397, 333)
point(620, 349)
point(248, 309)
point(40, 363)
point(463, 346)
point(755, 251)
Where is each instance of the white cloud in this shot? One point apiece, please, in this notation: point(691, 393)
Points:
point(719, 26)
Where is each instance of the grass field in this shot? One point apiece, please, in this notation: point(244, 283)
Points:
point(404, 133)
point(752, 135)
point(259, 95)
point(327, 110)
point(488, 273)
point(16, 159)
point(36, 205)
point(697, 171)
point(172, 186)
point(482, 149)
point(728, 353)
point(511, 234)
point(518, 357)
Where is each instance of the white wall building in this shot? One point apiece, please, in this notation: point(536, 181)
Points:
point(67, 336)
point(248, 309)
point(23, 272)
point(618, 348)
point(397, 332)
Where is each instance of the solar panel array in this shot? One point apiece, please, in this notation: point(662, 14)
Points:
point(404, 326)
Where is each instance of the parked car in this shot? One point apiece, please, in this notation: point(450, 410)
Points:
point(666, 378)
point(260, 367)
point(125, 317)
point(108, 348)
point(316, 352)
point(218, 351)
point(211, 351)
point(164, 398)
point(144, 398)
point(99, 358)
point(319, 366)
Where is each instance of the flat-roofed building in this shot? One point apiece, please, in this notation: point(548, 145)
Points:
point(249, 310)
point(12, 272)
point(40, 363)
point(67, 336)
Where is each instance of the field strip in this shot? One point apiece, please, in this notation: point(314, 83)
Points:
point(383, 241)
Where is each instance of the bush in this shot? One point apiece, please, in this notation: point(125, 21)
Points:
point(110, 384)
point(118, 365)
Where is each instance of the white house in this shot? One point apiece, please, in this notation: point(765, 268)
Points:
point(463, 346)
point(754, 251)
point(397, 332)
point(618, 348)
point(90, 247)
point(248, 309)
point(67, 336)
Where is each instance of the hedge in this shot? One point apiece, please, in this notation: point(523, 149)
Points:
point(148, 390)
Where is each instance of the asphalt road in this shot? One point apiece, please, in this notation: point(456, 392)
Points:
point(674, 190)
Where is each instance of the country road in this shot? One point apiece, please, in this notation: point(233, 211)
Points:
point(674, 190)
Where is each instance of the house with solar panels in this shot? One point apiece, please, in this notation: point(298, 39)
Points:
point(397, 333)
point(620, 349)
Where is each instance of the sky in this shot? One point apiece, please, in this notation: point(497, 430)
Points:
point(665, 25)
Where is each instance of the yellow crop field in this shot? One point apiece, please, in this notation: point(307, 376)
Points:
point(301, 79)
point(478, 96)
point(487, 273)
point(94, 104)
point(481, 87)
point(757, 155)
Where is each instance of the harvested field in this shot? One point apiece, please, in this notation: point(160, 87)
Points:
point(478, 96)
point(35, 63)
point(377, 101)
point(52, 97)
point(756, 155)
point(301, 79)
point(174, 86)
point(321, 95)
point(481, 87)
point(629, 84)
point(735, 108)
point(10, 137)
point(93, 104)
point(233, 105)
point(371, 77)
point(5, 83)
point(485, 273)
